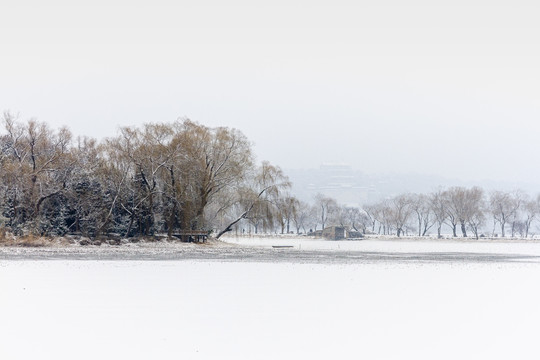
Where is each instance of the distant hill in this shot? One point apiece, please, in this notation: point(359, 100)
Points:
point(355, 187)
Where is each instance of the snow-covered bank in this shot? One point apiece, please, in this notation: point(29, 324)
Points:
point(294, 250)
point(230, 310)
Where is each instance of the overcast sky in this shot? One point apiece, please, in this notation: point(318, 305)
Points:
point(450, 88)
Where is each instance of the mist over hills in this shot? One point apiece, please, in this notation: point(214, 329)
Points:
point(354, 187)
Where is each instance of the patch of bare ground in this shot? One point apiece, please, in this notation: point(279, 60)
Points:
point(7, 239)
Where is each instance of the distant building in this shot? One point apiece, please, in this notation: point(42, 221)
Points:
point(354, 235)
point(334, 233)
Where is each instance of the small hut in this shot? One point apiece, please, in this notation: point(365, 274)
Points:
point(334, 233)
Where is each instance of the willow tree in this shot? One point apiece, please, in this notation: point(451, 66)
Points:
point(400, 210)
point(157, 177)
point(262, 190)
point(221, 158)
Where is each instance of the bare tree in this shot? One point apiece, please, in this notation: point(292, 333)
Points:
point(519, 199)
point(530, 209)
point(382, 215)
point(451, 217)
point(301, 216)
point(326, 207)
point(370, 211)
point(424, 214)
point(437, 203)
point(476, 217)
point(400, 210)
point(503, 207)
point(357, 219)
point(339, 216)
point(287, 207)
point(312, 219)
point(461, 204)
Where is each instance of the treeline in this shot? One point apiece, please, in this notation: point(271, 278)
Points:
point(463, 211)
point(164, 178)
point(159, 178)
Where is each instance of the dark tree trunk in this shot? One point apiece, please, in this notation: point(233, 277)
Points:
point(172, 216)
point(130, 224)
point(463, 229)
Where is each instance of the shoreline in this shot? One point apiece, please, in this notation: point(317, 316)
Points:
point(367, 251)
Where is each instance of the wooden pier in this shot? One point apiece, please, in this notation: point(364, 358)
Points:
point(198, 236)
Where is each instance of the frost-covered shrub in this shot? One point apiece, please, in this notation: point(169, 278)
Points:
point(3, 232)
point(3, 221)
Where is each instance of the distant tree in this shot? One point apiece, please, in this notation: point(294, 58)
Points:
point(520, 199)
point(530, 210)
point(339, 216)
point(357, 219)
point(437, 204)
point(461, 205)
point(524, 216)
point(326, 207)
point(451, 216)
point(301, 216)
point(312, 219)
point(476, 218)
point(400, 211)
point(370, 211)
point(503, 207)
point(423, 211)
point(261, 216)
point(382, 214)
point(287, 207)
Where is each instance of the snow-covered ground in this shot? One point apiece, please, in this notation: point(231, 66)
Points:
point(200, 309)
point(396, 245)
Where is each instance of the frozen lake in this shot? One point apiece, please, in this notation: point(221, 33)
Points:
point(396, 245)
point(298, 250)
point(227, 309)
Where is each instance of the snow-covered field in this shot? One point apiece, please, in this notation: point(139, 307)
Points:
point(400, 245)
point(228, 309)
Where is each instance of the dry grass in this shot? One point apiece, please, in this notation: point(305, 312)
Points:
point(8, 239)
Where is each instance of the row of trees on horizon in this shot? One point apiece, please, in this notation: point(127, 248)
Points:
point(462, 211)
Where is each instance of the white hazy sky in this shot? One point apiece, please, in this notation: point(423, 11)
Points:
point(438, 87)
